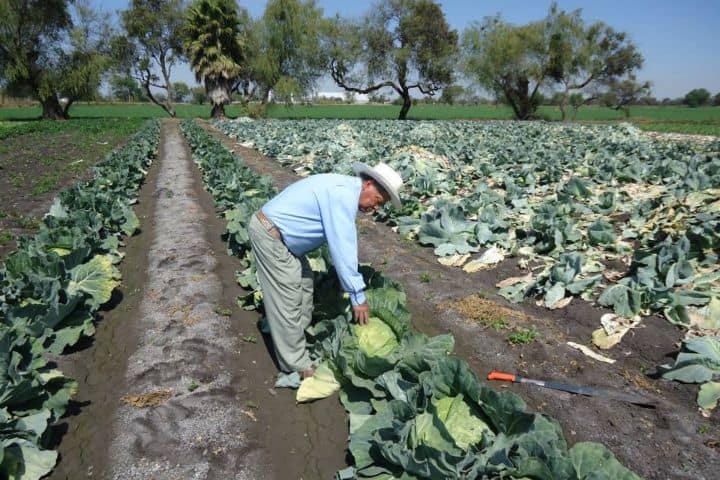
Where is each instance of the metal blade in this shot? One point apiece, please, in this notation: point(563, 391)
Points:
point(592, 392)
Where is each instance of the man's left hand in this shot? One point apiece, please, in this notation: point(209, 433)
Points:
point(361, 313)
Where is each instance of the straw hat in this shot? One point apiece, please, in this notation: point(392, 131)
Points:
point(385, 175)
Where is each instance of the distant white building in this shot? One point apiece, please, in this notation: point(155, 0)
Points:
point(342, 96)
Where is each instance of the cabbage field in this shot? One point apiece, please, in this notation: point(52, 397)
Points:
point(414, 411)
point(598, 214)
point(599, 235)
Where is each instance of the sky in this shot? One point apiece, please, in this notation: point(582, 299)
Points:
point(678, 38)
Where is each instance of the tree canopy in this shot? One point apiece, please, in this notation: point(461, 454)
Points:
point(47, 54)
point(216, 39)
point(289, 55)
point(152, 45)
point(697, 97)
point(512, 62)
point(516, 63)
point(402, 45)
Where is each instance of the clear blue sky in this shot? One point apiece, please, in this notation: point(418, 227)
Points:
point(680, 39)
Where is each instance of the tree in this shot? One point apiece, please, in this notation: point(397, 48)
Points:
point(512, 62)
point(404, 45)
point(624, 92)
point(216, 36)
point(125, 88)
point(697, 97)
point(181, 92)
point(716, 100)
point(44, 53)
point(452, 94)
point(517, 63)
point(153, 43)
point(199, 95)
point(349, 97)
point(377, 97)
point(289, 53)
point(587, 58)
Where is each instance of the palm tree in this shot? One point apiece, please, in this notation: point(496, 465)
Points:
point(214, 40)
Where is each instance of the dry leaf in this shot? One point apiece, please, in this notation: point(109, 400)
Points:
point(147, 399)
point(590, 353)
point(613, 275)
point(456, 260)
point(561, 303)
point(508, 282)
point(489, 259)
point(250, 414)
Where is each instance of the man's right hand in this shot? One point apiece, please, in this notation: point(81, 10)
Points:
point(361, 313)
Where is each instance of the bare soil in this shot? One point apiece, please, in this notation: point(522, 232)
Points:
point(672, 441)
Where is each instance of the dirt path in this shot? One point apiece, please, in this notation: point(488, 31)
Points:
point(672, 441)
point(169, 389)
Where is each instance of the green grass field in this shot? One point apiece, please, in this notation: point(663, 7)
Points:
point(703, 120)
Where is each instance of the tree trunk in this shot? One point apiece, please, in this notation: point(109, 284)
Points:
point(517, 94)
point(265, 96)
point(167, 104)
point(407, 103)
point(218, 111)
point(563, 103)
point(66, 109)
point(51, 109)
point(169, 109)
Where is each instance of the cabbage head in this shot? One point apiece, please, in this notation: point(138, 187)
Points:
point(462, 421)
point(376, 339)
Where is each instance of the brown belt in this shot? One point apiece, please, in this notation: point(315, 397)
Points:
point(269, 226)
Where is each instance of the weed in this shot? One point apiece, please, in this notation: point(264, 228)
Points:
point(223, 311)
point(425, 277)
point(498, 324)
point(16, 179)
point(523, 336)
point(46, 183)
point(193, 386)
point(703, 429)
point(251, 404)
point(249, 338)
point(27, 222)
point(5, 237)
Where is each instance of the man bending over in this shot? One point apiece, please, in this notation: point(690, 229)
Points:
point(308, 213)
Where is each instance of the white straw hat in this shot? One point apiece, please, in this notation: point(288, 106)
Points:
point(385, 175)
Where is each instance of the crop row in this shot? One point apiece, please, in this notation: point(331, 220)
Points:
point(414, 411)
point(50, 290)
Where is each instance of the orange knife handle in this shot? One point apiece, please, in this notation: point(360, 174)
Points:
point(505, 377)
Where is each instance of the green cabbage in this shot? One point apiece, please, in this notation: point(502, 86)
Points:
point(376, 339)
point(462, 421)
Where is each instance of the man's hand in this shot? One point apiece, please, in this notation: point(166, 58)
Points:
point(361, 313)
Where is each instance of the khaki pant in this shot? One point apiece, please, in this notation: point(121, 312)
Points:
point(287, 287)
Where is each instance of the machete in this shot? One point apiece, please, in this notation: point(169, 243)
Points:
point(580, 390)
